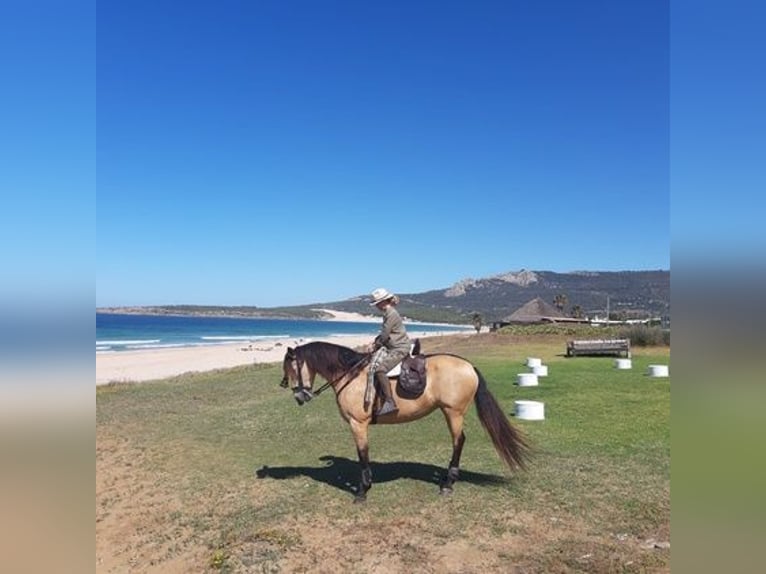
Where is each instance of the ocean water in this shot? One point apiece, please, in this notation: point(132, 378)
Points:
point(130, 332)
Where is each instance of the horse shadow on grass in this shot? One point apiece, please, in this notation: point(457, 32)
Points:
point(343, 473)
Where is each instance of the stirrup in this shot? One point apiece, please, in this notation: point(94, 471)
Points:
point(389, 406)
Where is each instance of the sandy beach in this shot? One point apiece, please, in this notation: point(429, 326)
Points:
point(152, 364)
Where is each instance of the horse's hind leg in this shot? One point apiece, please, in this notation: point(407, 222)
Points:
point(362, 451)
point(455, 423)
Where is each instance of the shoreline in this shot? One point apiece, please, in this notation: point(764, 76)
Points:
point(136, 366)
point(334, 315)
point(140, 365)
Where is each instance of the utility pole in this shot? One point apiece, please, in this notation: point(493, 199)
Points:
point(607, 310)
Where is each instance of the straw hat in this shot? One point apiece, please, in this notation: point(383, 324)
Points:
point(379, 295)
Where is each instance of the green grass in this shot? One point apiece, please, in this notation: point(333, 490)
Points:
point(254, 477)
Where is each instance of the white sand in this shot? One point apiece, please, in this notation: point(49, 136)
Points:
point(351, 317)
point(151, 364)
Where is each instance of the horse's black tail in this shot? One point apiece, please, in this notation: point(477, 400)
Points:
point(509, 442)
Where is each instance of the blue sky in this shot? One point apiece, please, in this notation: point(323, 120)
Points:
point(718, 133)
point(279, 153)
point(47, 150)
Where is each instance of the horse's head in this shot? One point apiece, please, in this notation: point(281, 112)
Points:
point(297, 376)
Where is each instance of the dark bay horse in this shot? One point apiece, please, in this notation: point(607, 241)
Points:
point(452, 383)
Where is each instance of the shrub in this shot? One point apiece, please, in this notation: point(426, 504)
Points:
point(644, 336)
point(639, 335)
point(569, 330)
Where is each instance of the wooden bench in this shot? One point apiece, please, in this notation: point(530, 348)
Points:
point(599, 347)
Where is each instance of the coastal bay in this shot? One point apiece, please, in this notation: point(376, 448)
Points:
point(145, 364)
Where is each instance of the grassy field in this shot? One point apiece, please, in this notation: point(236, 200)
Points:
point(223, 472)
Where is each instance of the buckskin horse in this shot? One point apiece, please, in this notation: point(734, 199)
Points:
point(451, 383)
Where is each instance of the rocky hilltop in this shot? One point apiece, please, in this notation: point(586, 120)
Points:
point(627, 294)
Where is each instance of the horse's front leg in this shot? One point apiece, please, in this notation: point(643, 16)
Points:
point(362, 450)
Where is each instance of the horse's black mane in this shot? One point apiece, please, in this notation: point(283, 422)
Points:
point(331, 360)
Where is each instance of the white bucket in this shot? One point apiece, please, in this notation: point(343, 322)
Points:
point(623, 364)
point(657, 371)
point(534, 362)
point(527, 380)
point(540, 370)
point(530, 410)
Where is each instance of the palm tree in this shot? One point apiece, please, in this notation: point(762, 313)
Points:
point(560, 301)
point(477, 321)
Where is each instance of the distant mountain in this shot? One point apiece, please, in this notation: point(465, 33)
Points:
point(628, 294)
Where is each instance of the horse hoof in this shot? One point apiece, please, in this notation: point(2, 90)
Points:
point(445, 490)
point(360, 499)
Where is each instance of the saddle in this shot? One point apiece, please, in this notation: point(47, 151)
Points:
point(414, 352)
point(411, 373)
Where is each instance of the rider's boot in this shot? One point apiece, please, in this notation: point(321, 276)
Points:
point(389, 406)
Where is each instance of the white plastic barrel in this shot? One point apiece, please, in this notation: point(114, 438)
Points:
point(623, 364)
point(530, 410)
point(540, 370)
point(527, 380)
point(534, 362)
point(657, 371)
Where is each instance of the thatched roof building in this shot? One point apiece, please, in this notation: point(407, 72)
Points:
point(534, 311)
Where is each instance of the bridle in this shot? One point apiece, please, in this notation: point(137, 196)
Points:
point(304, 394)
point(301, 393)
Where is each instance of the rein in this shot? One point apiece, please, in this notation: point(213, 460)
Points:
point(328, 384)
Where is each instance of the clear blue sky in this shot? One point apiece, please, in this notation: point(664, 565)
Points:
point(718, 133)
point(47, 151)
point(279, 153)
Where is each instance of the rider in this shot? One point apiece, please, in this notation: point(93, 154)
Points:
point(393, 340)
